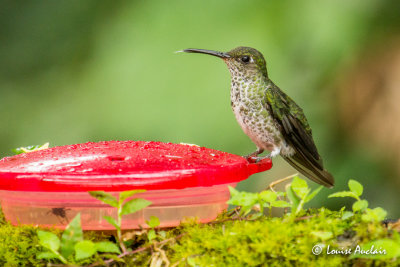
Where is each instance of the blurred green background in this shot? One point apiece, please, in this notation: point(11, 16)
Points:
point(78, 71)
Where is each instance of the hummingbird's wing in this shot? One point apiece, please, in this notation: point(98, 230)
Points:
point(297, 133)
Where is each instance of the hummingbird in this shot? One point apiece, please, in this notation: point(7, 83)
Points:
point(268, 116)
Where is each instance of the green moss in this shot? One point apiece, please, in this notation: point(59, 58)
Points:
point(279, 241)
point(284, 241)
point(18, 245)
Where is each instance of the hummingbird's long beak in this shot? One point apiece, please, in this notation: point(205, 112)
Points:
point(208, 52)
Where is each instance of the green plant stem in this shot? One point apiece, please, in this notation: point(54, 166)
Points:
point(60, 257)
point(119, 233)
point(299, 207)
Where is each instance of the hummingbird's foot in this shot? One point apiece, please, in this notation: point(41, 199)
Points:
point(254, 154)
point(252, 157)
point(258, 159)
point(273, 153)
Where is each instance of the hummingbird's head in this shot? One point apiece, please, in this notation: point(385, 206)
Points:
point(241, 61)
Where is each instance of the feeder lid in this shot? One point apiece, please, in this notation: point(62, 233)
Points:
point(123, 165)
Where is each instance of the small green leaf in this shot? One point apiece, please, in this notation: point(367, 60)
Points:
point(124, 195)
point(107, 247)
point(243, 198)
point(360, 205)
point(134, 205)
point(323, 235)
point(112, 221)
point(151, 234)
point(374, 215)
point(245, 210)
point(28, 149)
point(163, 234)
point(268, 196)
point(280, 204)
point(300, 187)
point(84, 249)
point(232, 190)
point(344, 194)
point(281, 194)
point(265, 204)
point(48, 240)
point(105, 197)
point(355, 187)
point(114, 257)
point(294, 199)
point(17, 151)
point(72, 234)
point(346, 215)
point(153, 222)
point(313, 194)
point(255, 216)
point(378, 249)
point(46, 255)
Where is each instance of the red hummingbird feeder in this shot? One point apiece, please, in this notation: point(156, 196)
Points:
point(49, 187)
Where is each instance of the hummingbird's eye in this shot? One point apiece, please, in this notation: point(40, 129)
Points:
point(245, 59)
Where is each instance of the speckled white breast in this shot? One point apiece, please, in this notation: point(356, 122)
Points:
point(254, 118)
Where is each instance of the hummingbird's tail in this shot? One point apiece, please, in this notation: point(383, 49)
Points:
point(310, 170)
